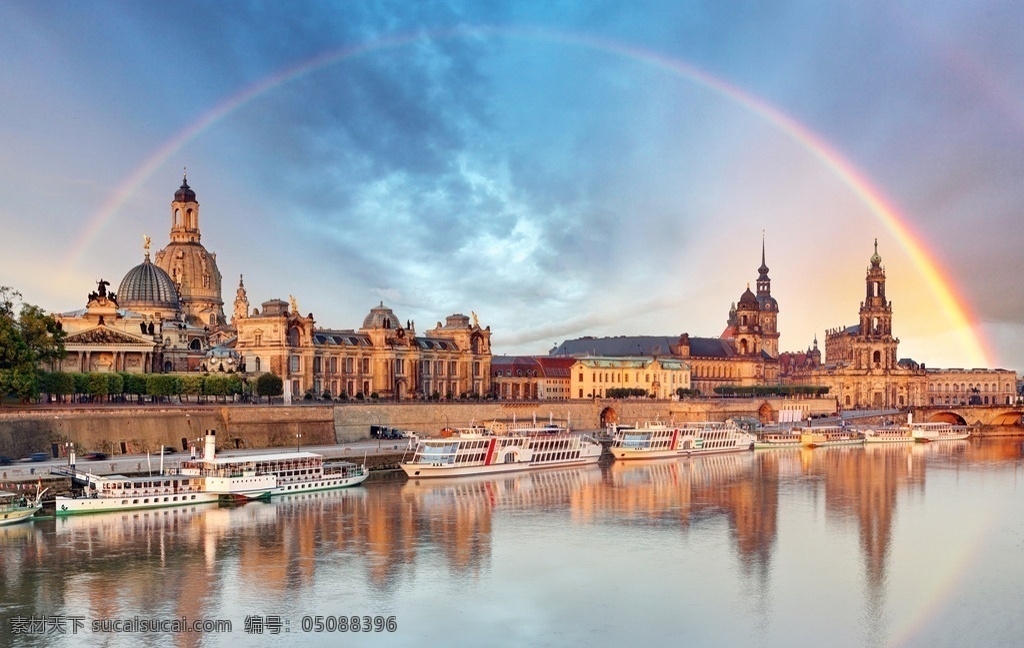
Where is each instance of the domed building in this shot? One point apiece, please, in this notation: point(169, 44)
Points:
point(147, 289)
point(163, 315)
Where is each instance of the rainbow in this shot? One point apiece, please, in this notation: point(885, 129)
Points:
point(899, 227)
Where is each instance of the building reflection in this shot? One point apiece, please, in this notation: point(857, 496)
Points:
point(183, 562)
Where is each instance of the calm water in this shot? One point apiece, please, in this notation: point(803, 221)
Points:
point(899, 545)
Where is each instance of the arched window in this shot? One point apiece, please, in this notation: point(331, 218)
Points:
point(293, 337)
point(877, 357)
point(257, 364)
point(195, 345)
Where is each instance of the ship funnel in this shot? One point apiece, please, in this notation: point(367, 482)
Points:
point(210, 453)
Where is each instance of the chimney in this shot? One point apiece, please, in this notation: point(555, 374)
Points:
point(211, 446)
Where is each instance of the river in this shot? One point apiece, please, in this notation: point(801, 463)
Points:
point(888, 545)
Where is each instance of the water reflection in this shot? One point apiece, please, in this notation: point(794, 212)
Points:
point(395, 542)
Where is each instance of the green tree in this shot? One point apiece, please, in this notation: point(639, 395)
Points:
point(269, 385)
point(216, 385)
point(161, 386)
point(193, 385)
point(236, 386)
point(135, 385)
point(42, 335)
point(97, 385)
point(115, 385)
point(81, 383)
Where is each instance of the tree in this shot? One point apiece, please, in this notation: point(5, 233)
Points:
point(135, 384)
point(162, 385)
point(31, 339)
point(269, 385)
point(192, 385)
point(42, 335)
point(216, 385)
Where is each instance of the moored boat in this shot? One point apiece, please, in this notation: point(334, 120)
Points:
point(659, 440)
point(102, 493)
point(478, 451)
point(816, 437)
point(927, 432)
point(19, 507)
point(769, 440)
point(888, 434)
point(287, 472)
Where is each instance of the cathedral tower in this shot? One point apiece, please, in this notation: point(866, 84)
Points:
point(193, 269)
point(874, 346)
point(769, 310)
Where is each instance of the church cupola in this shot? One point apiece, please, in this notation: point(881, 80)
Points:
point(185, 215)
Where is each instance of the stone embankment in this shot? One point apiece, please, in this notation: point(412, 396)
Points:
point(132, 429)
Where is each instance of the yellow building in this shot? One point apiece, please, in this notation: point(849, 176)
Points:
point(657, 377)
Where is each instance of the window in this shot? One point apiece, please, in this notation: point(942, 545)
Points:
point(293, 364)
point(334, 365)
point(257, 363)
point(348, 366)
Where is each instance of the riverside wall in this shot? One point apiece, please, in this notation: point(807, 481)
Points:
point(119, 429)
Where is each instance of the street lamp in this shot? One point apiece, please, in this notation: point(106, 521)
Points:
point(298, 439)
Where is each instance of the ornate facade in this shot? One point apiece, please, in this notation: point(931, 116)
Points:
point(862, 370)
point(746, 353)
point(383, 357)
point(147, 326)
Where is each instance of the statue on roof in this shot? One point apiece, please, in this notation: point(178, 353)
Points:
point(294, 304)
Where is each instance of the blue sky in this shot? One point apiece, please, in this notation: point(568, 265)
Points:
point(560, 168)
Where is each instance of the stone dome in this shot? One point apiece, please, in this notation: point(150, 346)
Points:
point(381, 317)
point(748, 300)
point(147, 287)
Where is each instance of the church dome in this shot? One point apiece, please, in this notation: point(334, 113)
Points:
point(184, 193)
point(748, 300)
point(381, 317)
point(147, 287)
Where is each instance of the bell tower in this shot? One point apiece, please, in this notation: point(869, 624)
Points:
point(191, 267)
point(874, 346)
point(769, 309)
point(184, 215)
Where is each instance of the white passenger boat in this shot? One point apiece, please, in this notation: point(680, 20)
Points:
point(926, 432)
point(102, 493)
point(817, 437)
point(888, 434)
point(19, 507)
point(478, 451)
point(211, 478)
point(770, 440)
point(659, 440)
point(293, 472)
point(290, 472)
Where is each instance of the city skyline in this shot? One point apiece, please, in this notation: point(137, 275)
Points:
point(561, 171)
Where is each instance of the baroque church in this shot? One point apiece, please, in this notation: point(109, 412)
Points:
point(862, 368)
point(745, 354)
point(168, 316)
